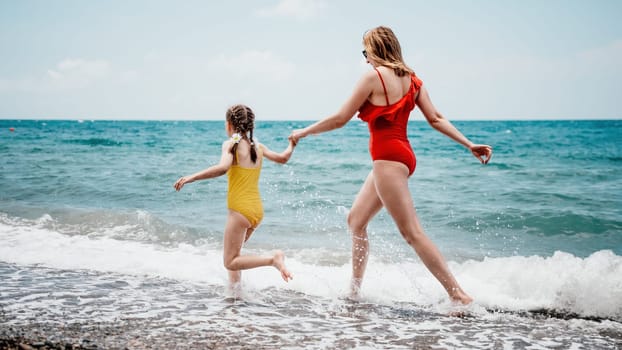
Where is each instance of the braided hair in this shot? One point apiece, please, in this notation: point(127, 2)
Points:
point(242, 119)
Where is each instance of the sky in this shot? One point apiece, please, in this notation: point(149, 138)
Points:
point(300, 59)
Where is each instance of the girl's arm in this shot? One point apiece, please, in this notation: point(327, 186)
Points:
point(362, 91)
point(438, 122)
point(282, 157)
point(226, 159)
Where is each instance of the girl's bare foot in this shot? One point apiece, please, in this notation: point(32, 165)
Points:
point(234, 290)
point(355, 288)
point(278, 261)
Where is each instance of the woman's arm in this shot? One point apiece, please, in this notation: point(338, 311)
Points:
point(282, 157)
point(438, 122)
point(226, 159)
point(362, 91)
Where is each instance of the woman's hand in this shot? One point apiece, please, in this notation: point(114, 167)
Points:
point(482, 152)
point(181, 182)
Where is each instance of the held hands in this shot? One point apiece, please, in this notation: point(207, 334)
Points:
point(482, 152)
point(296, 135)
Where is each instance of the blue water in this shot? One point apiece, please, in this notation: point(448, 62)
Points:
point(550, 186)
point(550, 200)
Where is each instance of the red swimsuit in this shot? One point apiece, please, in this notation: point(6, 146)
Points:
point(387, 126)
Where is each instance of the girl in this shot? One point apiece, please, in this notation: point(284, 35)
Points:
point(384, 98)
point(241, 160)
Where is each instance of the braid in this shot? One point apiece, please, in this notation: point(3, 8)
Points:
point(253, 149)
point(250, 125)
point(231, 117)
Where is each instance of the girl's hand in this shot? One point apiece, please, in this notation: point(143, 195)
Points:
point(292, 143)
point(181, 182)
point(482, 152)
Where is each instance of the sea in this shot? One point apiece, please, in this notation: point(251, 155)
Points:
point(97, 246)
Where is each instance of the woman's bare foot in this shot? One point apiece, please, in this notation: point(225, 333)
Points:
point(460, 303)
point(278, 261)
point(459, 296)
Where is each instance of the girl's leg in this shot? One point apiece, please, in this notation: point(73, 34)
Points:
point(235, 283)
point(236, 232)
point(234, 277)
point(391, 179)
point(365, 206)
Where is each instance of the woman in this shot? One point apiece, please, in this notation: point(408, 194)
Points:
point(384, 98)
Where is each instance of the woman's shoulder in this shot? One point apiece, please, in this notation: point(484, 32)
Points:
point(369, 76)
point(416, 81)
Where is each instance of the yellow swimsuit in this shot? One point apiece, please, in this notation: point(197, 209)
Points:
point(243, 195)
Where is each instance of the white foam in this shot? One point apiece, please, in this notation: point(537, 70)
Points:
point(589, 286)
point(30, 245)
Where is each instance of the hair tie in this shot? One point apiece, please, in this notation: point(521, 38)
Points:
point(236, 138)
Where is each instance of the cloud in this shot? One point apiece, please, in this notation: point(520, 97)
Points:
point(298, 9)
point(68, 74)
point(78, 73)
point(254, 64)
point(550, 70)
point(605, 58)
point(575, 85)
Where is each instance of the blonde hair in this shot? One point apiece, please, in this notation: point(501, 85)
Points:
point(383, 47)
point(242, 119)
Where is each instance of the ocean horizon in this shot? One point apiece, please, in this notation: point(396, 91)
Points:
point(300, 119)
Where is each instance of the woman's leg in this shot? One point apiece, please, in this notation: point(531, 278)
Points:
point(365, 206)
point(236, 232)
point(391, 179)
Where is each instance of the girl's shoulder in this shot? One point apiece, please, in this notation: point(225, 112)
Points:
point(227, 145)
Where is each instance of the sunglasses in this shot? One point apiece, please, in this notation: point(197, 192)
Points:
point(364, 52)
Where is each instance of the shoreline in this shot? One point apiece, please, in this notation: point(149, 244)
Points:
point(100, 335)
point(153, 333)
point(135, 335)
